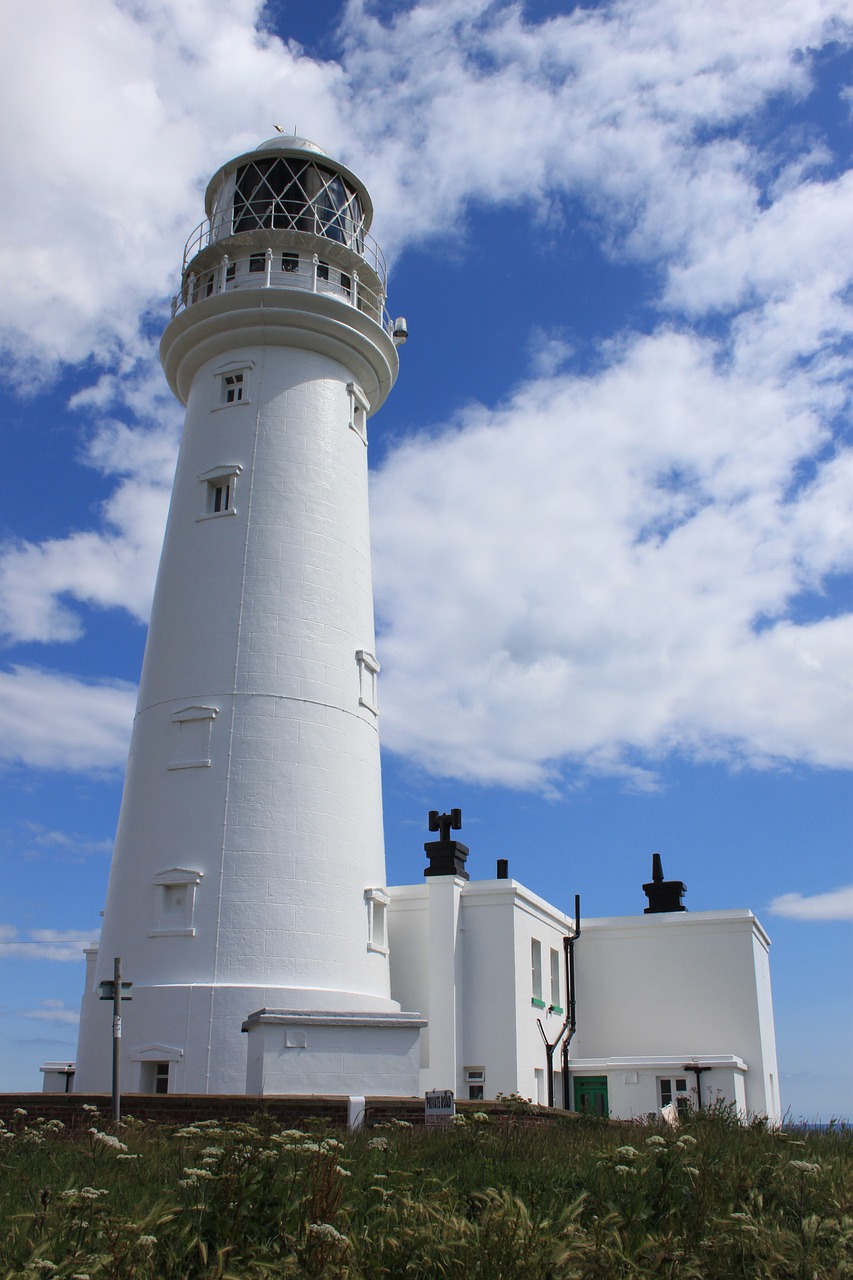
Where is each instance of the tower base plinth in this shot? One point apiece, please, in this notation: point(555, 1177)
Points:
point(305, 1052)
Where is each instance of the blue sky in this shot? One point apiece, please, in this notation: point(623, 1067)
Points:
point(612, 489)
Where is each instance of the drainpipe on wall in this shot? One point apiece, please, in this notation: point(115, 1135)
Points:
point(568, 1028)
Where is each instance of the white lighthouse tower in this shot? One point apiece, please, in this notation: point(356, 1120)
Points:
point(247, 884)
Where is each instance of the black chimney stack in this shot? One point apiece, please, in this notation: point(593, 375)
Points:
point(446, 856)
point(663, 895)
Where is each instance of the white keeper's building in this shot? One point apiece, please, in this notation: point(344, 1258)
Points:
point(247, 895)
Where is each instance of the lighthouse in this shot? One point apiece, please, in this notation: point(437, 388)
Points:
point(247, 888)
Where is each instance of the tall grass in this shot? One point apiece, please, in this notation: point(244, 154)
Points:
point(495, 1199)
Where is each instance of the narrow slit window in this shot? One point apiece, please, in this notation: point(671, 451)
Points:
point(556, 1002)
point(536, 972)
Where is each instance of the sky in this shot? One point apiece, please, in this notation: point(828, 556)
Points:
point(611, 491)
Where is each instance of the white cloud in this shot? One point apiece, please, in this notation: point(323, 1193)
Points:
point(45, 944)
point(52, 721)
point(570, 591)
point(608, 564)
point(114, 120)
point(53, 1011)
point(111, 567)
point(835, 905)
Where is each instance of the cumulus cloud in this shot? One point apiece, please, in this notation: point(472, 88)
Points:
point(835, 905)
point(45, 944)
point(610, 563)
point(53, 721)
point(614, 562)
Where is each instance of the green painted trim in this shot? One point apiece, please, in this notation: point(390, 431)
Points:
point(539, 1004)
point(555, 1008)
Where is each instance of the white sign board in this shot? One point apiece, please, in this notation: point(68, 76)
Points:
point(439, 1107)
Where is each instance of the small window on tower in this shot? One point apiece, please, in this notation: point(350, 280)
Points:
point(358, 409)
point(230, 272)
point(322, 270)
point(258, 262)
point(346, 283)
point(290, 262)
point(233, 379)
point(220, 489)
point(368, 670)
point(377, 901)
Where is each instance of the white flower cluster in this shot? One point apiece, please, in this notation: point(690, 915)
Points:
point(107, 1140)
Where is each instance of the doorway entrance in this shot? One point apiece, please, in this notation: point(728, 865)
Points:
point(591, 1095)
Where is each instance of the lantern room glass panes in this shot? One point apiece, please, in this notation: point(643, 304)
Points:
point(281, 194)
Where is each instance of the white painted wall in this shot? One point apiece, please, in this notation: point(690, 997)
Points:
point(653, 993)
point(679, 985)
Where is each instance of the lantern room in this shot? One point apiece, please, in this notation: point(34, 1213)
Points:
point(286, 215)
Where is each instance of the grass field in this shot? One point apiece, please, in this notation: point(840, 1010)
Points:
point(500, 1199)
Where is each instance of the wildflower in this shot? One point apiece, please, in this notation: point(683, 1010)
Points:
point(42, 1264)
point(197, 1173)
point(345, 1173)
point(482, 1117)
point(377, 1144)
point(332, 1144)
point(656, 1141)
point(19, 1111)
point(326, 1231)
point(87, 1106)
point(686, 1141)
point(212, 1151)
point(623, 1168)
point(107, 1140)
point(627, 1153)
point(688, 1168)
point(80, 1275)
point(291, 1133)
point(124, 1155)
point(147, 1242)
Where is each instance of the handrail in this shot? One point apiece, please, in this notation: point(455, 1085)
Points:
point(280, 269)
point(358, 241)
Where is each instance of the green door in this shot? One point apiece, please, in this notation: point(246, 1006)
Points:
point(591, 1095)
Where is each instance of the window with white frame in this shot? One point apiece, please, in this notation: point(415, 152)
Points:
point(556, 1003)
point(220, 491)
point(191, 737)
point(377, 901)
point(233, 379)
point(368, 670)
point(674, 1089)
point(475, 1079)
point(536, 973)
point(174, 902)
point(358, 410)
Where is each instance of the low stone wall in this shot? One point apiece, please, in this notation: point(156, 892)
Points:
point(183, 1108)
